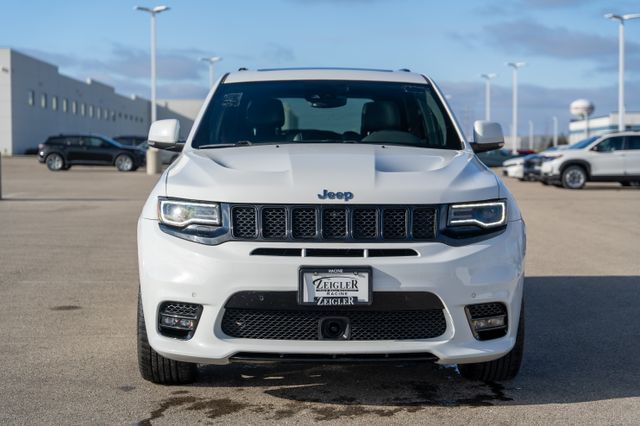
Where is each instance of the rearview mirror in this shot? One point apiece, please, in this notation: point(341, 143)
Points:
point(487, 136)
point(165, 134)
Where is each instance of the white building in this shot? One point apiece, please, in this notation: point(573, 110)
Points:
point(602, 125)
point(36, 101)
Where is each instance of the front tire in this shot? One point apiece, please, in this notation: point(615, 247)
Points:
point(55, 162)
point(124, 163)
point(574, 177)
point(505, 368)
point(154, 367)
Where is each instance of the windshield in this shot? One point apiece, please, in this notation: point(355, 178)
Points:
point(583, 143)
point(326, 112)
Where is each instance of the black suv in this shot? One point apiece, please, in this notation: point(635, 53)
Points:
point(63, 151)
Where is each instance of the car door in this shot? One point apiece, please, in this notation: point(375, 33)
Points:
point(632, 155)
point(99, 151)
point(75, 149)
point(607, 157)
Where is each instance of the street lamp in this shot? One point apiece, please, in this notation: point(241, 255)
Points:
point(555, 130)
point(621, 19)
point(212, 61)
point(487, 94)
point(514, 123)
point(153, 165)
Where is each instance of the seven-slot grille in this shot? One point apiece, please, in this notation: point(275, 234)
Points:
point(333, 223)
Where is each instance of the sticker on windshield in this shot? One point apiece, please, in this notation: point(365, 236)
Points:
point(231, 100)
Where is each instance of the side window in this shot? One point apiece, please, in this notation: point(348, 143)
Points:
point(633, 142)
point(72, 141)
point(55, 141)
point(610, 144)
point(96, 143)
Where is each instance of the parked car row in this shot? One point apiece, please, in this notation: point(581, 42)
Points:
point(613, 157)
point(126, 153)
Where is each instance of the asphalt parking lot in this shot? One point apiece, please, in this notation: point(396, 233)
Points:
point(68, 283)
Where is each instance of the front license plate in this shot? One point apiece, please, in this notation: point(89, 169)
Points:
point(338, 286)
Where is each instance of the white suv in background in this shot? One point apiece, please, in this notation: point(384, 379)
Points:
point(610, 158)
point(329, 215)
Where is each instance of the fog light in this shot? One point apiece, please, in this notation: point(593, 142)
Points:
point(173, 322)
point(178, 320)
point(486, 323)
point(488, 320)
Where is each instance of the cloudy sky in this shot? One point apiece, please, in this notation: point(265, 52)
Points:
point(570, 49)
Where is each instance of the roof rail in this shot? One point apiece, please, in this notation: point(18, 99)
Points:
point(404, 70)
point(243, 69)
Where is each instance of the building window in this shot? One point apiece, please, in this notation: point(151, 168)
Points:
point(113, 116)
point(98, 113)
point(54, 103)
point(65, 104)
point(32, 97)
point(74, 107)
point(82, 109)
point(90, 111)
point(43, 100)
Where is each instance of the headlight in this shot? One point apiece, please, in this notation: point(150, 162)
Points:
point(489, 214)
point(181, 213)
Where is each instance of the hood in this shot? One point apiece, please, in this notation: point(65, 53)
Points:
point(297, 173)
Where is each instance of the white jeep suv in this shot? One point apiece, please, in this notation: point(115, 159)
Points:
point(613, 157)
point(329, 215)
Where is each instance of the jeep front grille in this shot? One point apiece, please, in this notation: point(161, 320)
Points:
point(333, 223)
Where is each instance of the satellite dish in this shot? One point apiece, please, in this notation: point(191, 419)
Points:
point(583, 108)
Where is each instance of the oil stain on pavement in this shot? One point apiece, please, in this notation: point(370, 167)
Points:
point(328, 393)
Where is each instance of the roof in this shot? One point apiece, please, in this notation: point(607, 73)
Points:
point(325, 74)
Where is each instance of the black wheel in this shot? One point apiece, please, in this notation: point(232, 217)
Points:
point(574, 177)
point(156, 368)
point(55, 162)
point(124, 163)
point(505, 368)
point(544, 182)
point(134, 168)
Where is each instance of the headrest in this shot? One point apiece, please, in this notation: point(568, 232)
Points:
point(266, 113)
point(380, 115)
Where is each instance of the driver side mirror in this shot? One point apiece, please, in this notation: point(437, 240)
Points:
point(487, 136)
point(165, 134)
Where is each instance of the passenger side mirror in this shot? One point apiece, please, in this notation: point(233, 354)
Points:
point(165, 134)
point(487, 136)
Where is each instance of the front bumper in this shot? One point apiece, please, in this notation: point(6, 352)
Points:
point(550, 178)
point(172, 269)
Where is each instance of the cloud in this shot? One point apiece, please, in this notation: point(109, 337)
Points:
point(547, 4)
point(529, 37)
point(278, 54)
point(124, 61)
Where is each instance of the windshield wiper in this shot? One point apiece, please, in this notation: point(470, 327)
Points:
point(225, 145)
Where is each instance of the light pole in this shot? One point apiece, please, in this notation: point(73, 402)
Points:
point(514, 123)
point(555, 130)
point(487, 94)
point(531, 135)
point(621, 19)
point(153, 165)
point(212, 61)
